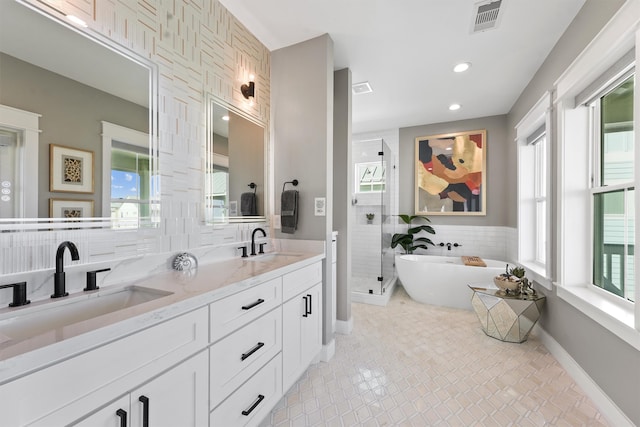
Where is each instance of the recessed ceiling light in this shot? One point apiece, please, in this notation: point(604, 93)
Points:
point(454, 107)
point(225, 118)
point(360, 88)
point(463, 66)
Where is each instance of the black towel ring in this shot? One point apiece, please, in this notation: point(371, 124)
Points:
point(294, 183)
point(254, 186)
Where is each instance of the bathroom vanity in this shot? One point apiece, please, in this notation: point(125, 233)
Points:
point(214, 349)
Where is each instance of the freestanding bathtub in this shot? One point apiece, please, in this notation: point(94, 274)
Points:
point(442, 280)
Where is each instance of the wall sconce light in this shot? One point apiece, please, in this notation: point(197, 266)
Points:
point(248, 90)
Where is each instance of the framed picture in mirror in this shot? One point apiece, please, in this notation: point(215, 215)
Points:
point(70, 169)
point(67, 208)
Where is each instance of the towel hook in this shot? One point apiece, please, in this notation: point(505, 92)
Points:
point(254, 186)
point(294, 183)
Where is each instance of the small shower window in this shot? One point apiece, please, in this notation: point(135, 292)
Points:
point(370, 177)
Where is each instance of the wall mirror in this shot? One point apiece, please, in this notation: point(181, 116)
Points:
point(235, 172)
point(76, 122)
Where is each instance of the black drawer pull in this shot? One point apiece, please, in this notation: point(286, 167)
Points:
point(253, 350)
point(250, 306)
point(123, 417)
point(306, 307)
point(255, 404)
point(310, 304)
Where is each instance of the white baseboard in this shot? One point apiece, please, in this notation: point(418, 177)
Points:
point(607, 407)
point(328, 351)
point(344, 327)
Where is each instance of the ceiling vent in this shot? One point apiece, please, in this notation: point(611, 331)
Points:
point(486, 16)
point(360, 88)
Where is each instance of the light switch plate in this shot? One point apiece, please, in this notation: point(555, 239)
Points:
point(320, 204)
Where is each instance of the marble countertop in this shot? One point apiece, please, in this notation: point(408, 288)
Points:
point(189, 291)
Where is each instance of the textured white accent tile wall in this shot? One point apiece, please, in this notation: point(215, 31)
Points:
point(199, 47)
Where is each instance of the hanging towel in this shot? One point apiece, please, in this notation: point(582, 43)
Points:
point(248, 204)
point(289, 211)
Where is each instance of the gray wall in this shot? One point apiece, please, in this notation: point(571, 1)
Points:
point(341, 184)
point(71, 114)
point(246, 160)
point(302, 131)
point(612, 363)
point(497, 208)
point(302, 126)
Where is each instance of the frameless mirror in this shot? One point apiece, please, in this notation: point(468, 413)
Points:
point(235, 166)
point(76, 123)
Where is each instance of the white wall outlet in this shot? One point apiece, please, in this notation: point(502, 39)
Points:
point(320, 204)
point(276, 222)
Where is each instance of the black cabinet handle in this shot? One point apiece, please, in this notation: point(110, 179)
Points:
point(255, 404)
point(123, 417)
point(253, 350)
point(145, 410)
point(250, 306)
point(310, 305)
point(306, 307)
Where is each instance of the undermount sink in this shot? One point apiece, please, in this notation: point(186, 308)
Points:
point(268, 257)
point(31, 321)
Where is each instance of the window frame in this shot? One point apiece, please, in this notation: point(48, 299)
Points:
point(572, 187)
point(529, 192)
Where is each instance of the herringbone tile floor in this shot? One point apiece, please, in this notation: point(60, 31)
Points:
point(409, 364)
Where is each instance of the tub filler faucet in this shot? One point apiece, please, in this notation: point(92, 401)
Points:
point(59, 289)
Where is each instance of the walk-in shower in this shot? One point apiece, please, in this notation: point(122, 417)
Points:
point(372, 257)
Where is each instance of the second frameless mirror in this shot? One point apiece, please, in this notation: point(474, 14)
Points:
point(235, 166)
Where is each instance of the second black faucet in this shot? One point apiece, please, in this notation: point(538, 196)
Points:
point(253, 239)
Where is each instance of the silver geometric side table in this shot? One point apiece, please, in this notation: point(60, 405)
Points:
point(506, 317)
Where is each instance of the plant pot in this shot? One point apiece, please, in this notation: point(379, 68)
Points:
point(507, 286)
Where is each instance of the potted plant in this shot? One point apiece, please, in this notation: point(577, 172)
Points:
point(407, 240)
point(370, 217)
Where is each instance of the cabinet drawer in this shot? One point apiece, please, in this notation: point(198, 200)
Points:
point(247, 399)
point(229, 314)
point(99, 374)
point(235, 358)
point(298, 281)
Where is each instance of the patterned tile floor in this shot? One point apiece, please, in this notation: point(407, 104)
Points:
point(409, 364)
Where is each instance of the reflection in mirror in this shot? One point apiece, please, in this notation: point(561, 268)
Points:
point(235, 173)
point(70, 83)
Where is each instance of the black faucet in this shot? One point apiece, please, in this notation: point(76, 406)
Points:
point(58, 277)
point(253, 239)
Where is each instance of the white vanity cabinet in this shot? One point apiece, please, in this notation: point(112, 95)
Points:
point(245, 361)
point(302, 321)
point(79, 387)
point(176, 398)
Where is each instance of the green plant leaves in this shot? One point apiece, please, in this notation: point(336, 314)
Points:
point(407, 240)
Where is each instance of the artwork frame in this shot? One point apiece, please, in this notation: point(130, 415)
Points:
point(70, 208)
point(450, 173)
point(70, 170)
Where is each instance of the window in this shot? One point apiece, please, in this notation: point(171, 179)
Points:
point(533, 190)
point(540, 197)
point(130, 184)
point(595, 186)
point(611, 116)
point(370, 177)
